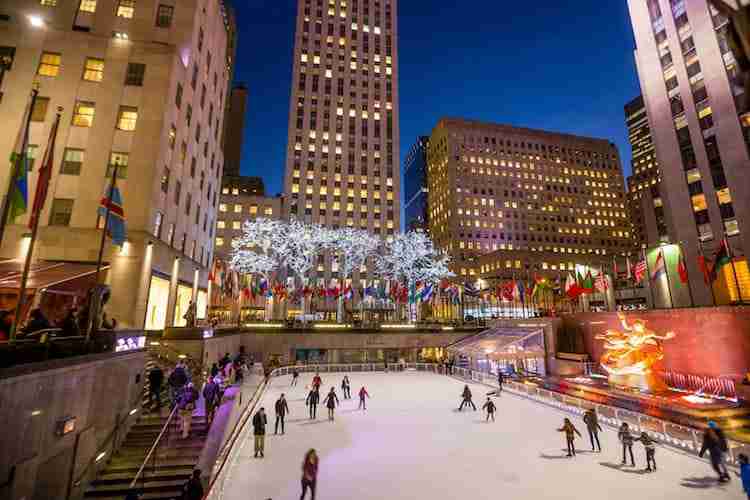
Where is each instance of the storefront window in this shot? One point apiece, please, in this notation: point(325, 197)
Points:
point(184, 295)
point(202, 304)
point(158, 297)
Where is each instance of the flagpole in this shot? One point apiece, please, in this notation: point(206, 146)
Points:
point(684, 263)
point(34, 231)
point(648, 277)
point(710, 283)
point(102, 242)
point(734, 270)
point(669, 283)
point(11, 180)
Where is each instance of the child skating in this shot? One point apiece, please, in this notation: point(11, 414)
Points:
point(570, 434)
point(650, 445)
point(362, 395)
point(490, 407)
point(346, 387)
point(466, 395)
point(295, 377)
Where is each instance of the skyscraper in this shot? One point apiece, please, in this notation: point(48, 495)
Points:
point(415, 186)
point(234, 130)
point(343, 150)
point(693, 96)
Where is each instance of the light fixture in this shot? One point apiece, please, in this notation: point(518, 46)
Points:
point(154, 343)
point(404, 326)
point(334, 326)
point(36, 413)
point(263, 325)
point(448, 328)
point(100, 456)
point(133, 411)
point(181, 356)
point(36, 21)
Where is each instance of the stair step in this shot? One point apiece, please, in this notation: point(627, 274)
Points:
point(162, 474)
point(148, 486)
point(125, 467)
point(159, 495)
point(140, 455)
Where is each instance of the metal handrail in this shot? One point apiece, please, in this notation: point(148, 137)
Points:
point(154, 446)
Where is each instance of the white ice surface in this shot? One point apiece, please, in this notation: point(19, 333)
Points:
point(411, 443)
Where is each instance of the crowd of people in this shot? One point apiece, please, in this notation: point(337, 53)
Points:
point(75, 323)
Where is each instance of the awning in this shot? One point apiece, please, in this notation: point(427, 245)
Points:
point(42, 274)
point(502, 343)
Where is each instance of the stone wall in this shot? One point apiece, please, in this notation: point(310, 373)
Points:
point(97, 391)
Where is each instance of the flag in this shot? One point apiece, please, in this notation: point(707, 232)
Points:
point(520, 291)
point(721, 259)
point(659, 267)
point(601, 283)
point(615, 269)
point(508, 291)
point(348, 293)
point(572, 289)
point(628, 269)
point(705, 267)
point(682, 270)
point(427, 292)
point(470, 291)
point(45, 173)
point(116, 221)
point(18, 191)
point(587, 285)
point(639, 271)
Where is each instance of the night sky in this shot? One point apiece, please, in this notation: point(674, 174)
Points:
point(559, 66)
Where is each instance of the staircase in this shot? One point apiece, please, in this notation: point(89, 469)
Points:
point(169, 467)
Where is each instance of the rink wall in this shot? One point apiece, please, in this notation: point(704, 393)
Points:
point(710, 341)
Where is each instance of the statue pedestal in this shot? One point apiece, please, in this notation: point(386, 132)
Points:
point(646, 382)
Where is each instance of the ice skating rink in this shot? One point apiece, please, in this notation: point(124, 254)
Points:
point(411, 443)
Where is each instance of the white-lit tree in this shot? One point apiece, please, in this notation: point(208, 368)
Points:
point(350, 249)
point(411, 258)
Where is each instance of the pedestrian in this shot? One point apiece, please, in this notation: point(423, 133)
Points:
point(500, 380)
point(186, 407)
point(214, 370)
point(309, 474)
point(317, 381)
point(259, 431)
point(331, 402)
point(592, 424)
point(385, 365)
point(490, 407)
point(211, 398)
point(346, 387)
point(177, 380)
point(362, 395)
point(239, 370)
point(37, 321)
point(466, 395)
point(716, 444)
point(224, 361)
point(155, 382)
point(69, 324)
point(193, 488)
point(295, 377)
point(281, 408)
point(626, 438)
point(570, 434)
point(745, 473)
point(313, 398)
point(650, 445)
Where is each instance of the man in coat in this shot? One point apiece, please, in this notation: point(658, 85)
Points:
point(259, 431)
point(716, 443)
point(592, 424)
point(313, 398)
point(155, 381)
point(282, 408)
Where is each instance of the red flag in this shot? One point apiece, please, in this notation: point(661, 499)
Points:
point(704, 266)
point(639, 271)
point(682, 270)
point(45, 174)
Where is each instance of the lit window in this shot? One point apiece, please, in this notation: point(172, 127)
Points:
point(127, 118)
point(222, 207)
point(221, 224)
point(49, 64)
point(699, 202)
point(72, 161)
point(237, 208)
point(121, 160)
point(126, 8)
point(87, 6)
point(48, 3)
point(83, 114)
point(724, 196)
point(219, 242)
point(268, 211)
point(236, 225)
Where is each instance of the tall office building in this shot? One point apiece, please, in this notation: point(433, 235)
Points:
point(503, 197)
point(645, 203)
point(415, 186)
point(234, 130)
point(692, 93)
point(343, 151)
point(142, 85)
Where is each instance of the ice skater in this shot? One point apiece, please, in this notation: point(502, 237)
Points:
point(466, 395)
point(745, 473)
point(490, 407)
point(626, 438)
point(570, 434)
point(295, 377)
point(313, 398)
point(282, 408)
point(331, 401)
point(309, 474)
point(716, 444)
point(317, 382)
point(362, 395)
point(650, 445)
point(346, 387)
point(259, 432)
point(500, 381)
point(592, 424)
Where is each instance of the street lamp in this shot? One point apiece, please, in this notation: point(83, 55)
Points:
point(36, 21)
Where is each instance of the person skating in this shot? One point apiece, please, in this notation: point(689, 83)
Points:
point(295, 377)
point(313, 398)
point(282, 408)
point(716, 444)
point(650, 445)
point(362, 395)
point(309, 474)
point(346, 387)
point(626, 438)
point(570, 434)
point(317, 381)
point(490, 407)
point(500, 380)
point(259, 431)
point(745, 473)
point(331, 401)
point(592, 424)
point(466, 395)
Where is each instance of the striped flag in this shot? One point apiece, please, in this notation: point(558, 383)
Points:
point(601, 283)
point(639, 271)
point(660, 266)
point(116, 220)
point(18, 191)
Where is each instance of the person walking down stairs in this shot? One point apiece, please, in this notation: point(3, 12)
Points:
point(186, 407)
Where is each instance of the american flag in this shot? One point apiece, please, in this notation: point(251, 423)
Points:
point(639, 271)
point(601, 283)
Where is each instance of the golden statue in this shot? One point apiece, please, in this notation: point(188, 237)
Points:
point(631, 354)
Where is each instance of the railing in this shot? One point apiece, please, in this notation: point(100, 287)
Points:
point(152, 451)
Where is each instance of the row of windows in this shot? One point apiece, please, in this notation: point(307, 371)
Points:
point(123, 8)
point(93, 69)
point(83, 114)
point(252, 209)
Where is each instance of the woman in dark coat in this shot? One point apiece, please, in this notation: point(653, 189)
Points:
point(331, 401)
point(467, 399)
